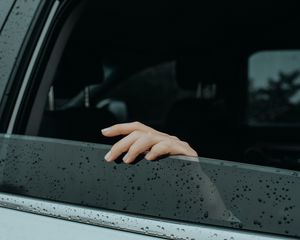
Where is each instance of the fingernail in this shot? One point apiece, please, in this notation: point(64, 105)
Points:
point(105, 130)
point(125, 158)
point(107, 157)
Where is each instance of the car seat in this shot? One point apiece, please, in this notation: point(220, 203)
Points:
point(203, 120)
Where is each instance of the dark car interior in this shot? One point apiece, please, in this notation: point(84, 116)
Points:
point(179, 68)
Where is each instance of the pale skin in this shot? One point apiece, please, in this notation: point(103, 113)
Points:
point(141, 139)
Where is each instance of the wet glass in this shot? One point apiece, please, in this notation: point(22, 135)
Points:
point(193, 190)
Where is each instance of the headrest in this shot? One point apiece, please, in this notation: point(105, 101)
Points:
point(192, 70)
point(80, 67)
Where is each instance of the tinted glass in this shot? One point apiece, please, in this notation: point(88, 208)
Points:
point(274, 88)
point(186, 189)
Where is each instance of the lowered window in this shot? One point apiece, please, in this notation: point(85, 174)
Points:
point(199, 191)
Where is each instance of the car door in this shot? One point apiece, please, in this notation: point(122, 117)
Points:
point(174, 198)
point(23, 26)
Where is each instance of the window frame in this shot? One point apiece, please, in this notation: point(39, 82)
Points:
point(252, 61)
point(31, 66)
point(30, 119)
point(32, 17)
point(6, 7)
point(128, 222)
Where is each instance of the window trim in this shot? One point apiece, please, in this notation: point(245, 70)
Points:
point(6, 10)
point(31, 106)
point(31, 66)
point(265, 124)
point(127, 222)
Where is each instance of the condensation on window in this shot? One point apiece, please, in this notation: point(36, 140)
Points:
point(274, 87)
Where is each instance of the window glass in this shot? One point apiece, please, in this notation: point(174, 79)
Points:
point(186, 189)
point(274, 88)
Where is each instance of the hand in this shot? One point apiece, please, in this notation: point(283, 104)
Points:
point(140, 139)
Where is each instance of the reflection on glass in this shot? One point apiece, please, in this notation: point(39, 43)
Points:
point(203, 191)
point(274, 88)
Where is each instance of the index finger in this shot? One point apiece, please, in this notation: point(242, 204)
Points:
point(124, 129)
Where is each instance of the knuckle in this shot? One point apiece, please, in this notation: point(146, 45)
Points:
point(173, 137)
point(155, 152)
point(163, 147)
point(136, 133)
point(133, 150)
point(195, 154)
point(115, 148)
point(146, 138)
point(150, 134)
point(137, 124)
point(167, 143)
point(118, 147)
point(185, 143)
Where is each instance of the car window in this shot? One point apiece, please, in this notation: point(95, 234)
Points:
point(199, 191)
point(12, 37)
point(274, 88)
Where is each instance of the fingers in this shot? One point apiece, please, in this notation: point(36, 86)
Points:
point(125, 129)
point(121, 146)
point(158, 150)
point(140, 139)
point(184, 149)
point(140, 146)
point(134, 144)
point(172, 147)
